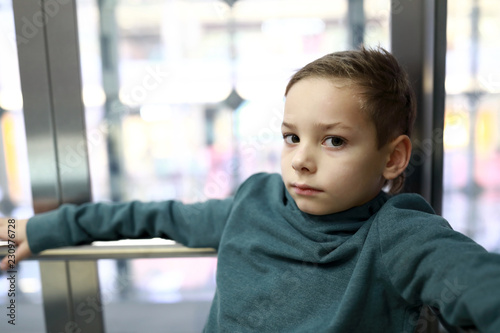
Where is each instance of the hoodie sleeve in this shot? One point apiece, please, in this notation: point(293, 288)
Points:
point(429, 263)
point(193, 225)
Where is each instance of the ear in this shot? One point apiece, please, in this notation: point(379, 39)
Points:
point(398, 157)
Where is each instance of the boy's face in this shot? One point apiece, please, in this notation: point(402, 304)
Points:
point(330, 161)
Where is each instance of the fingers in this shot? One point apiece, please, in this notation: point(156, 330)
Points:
point(14, 231)
point(11, 259)
point(3, 228)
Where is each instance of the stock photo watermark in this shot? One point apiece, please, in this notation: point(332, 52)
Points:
point(88, 310)
point(222, 9)
point(423, 150)
point(287, 283)
point(154, 77)
point(74, 156)
point(31, 26)
point(248, 151)
point(450, 292)
point(11, 272)
point(490, 82)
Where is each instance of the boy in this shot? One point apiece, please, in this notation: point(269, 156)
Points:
point(320, 248)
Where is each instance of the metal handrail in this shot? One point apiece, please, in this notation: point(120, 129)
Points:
point(126, 249)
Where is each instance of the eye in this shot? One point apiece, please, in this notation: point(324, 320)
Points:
point(291, 138)
point(334, 141)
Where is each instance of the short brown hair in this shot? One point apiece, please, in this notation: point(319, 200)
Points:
point(386, 93)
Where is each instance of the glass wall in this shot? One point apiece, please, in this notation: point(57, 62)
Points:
point(184, 100)
point(15, 190)
point(184, 95)
point(471, 199)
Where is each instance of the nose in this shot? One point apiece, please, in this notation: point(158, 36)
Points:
point(303, 160)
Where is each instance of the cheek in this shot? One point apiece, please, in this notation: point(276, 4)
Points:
point(284, 162)
point(370, 170)
point(357, 169)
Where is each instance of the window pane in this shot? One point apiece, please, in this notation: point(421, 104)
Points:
point(15, 190)
point(472, 122)
point(173, 292)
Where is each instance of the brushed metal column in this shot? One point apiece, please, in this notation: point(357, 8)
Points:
point(47, 38)
point(418, 40)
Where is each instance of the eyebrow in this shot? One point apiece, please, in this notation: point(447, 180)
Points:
point(321, 126)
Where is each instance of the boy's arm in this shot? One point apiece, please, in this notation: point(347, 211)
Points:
point(194, 225)
point(429, 263)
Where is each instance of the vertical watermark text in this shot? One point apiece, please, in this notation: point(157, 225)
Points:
point(11, 272)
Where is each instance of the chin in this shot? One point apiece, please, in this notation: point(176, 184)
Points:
point(316, 210)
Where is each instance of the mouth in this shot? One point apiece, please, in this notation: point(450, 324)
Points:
point(303, 189)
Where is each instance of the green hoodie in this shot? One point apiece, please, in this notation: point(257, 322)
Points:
point(367, 269)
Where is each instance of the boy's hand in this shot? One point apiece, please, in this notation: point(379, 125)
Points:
point(14, 231)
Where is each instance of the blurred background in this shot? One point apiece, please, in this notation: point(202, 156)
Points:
point(183, 100)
